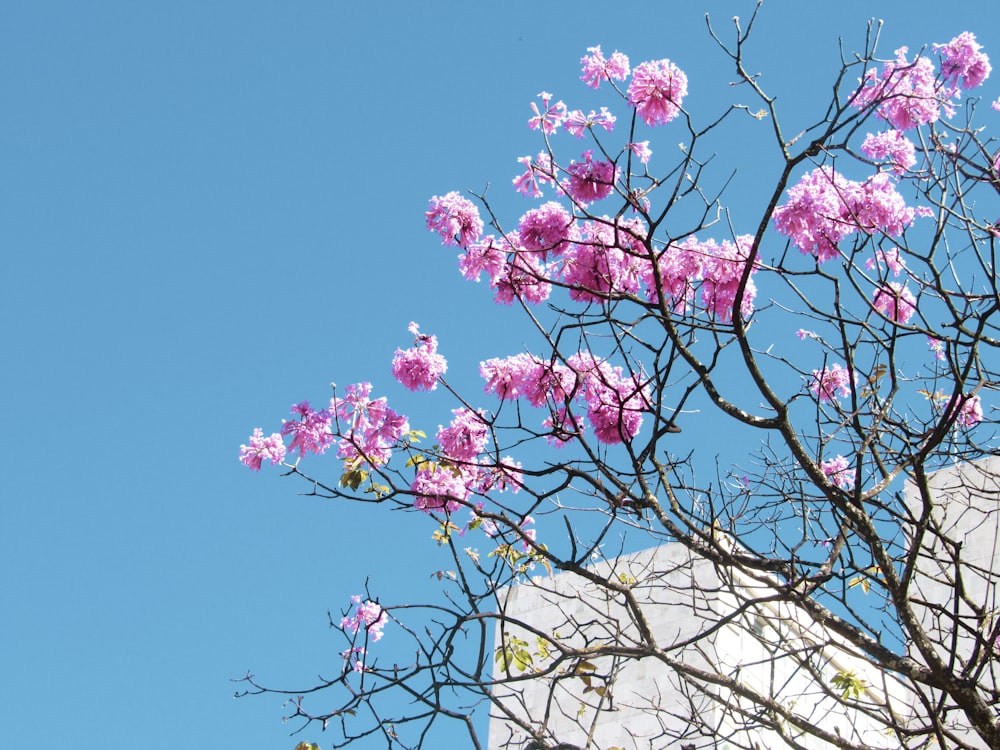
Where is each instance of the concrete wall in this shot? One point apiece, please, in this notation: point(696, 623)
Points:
point(644, 702)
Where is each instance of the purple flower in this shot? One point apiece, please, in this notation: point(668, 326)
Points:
point(455, 219)
point(590, 180)
point(262, 448)
point(657, 89)
point(831, 383)
point(597, 69)
point(419, 367)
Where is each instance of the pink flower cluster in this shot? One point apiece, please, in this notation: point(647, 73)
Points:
point(615, 402)
point(455, 218)
point(937, 346)
point(831, 384)
point(971, 412)
point(895, 301)
point(539, 381)
point(311, 432)
point(838, 471)
point(368, 428)
point(657, 90)
point(550, 228)
point(908, 94)
point(513, 272)
point(721, 271)
point(578, 123)
point(596, 68)
point(368, 616)
point(825, 207)
point(604, 261)
point(717, 267)
point(590, 180)
point(962, 58)
point(449, 487)
point(448, 484)
point(890, 258)
point(537, 171)
point(466, 436)
point(641, 150)
point(530, 535)
point(890, 146)
point(437, 487)
point(419, 367)
point(549, 117)
point(262, 448)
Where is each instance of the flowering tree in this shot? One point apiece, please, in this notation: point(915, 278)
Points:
point(842, 343)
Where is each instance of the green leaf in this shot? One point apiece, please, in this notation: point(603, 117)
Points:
point(353, 478)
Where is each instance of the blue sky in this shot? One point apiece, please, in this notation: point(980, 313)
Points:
point(209, 211)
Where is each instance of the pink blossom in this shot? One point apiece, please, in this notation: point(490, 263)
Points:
point(813, 215)
point(565, 427)
point(489, 255)
point(369, 429)
point(530, 535)
point(500, 477)
point(488, 525)
point(722, 270)
point(439, 488)
point(615, 403)
point(455, 218)
point(590, 180)
point(996, 105)
point(367, 615)
point(597, 266)
point(539, 381)
point(876, 206)
point(522, 278)
point(262, 448)
point(311, 432)
point(550, 117)
point(962, 58)
point(527, 183)
point(906, 94)
point(891, 146)
point(465, 437)
point(803, 334)
point(547, 229)
point(538, 172)
point(937, 347)
point(823, 208)
point(971, 412)
point(657, 89)
point(578, 123)
point(895, 301)
point(680, 267)
point(356, 656)
point(890, 258)
point(838, 471)
point(597, 69)
point(641, 149)
point(831, 384)
point(419, 367)
point(716, 268)
point(506, 377)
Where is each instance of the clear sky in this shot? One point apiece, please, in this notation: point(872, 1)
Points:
point(211, 210)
